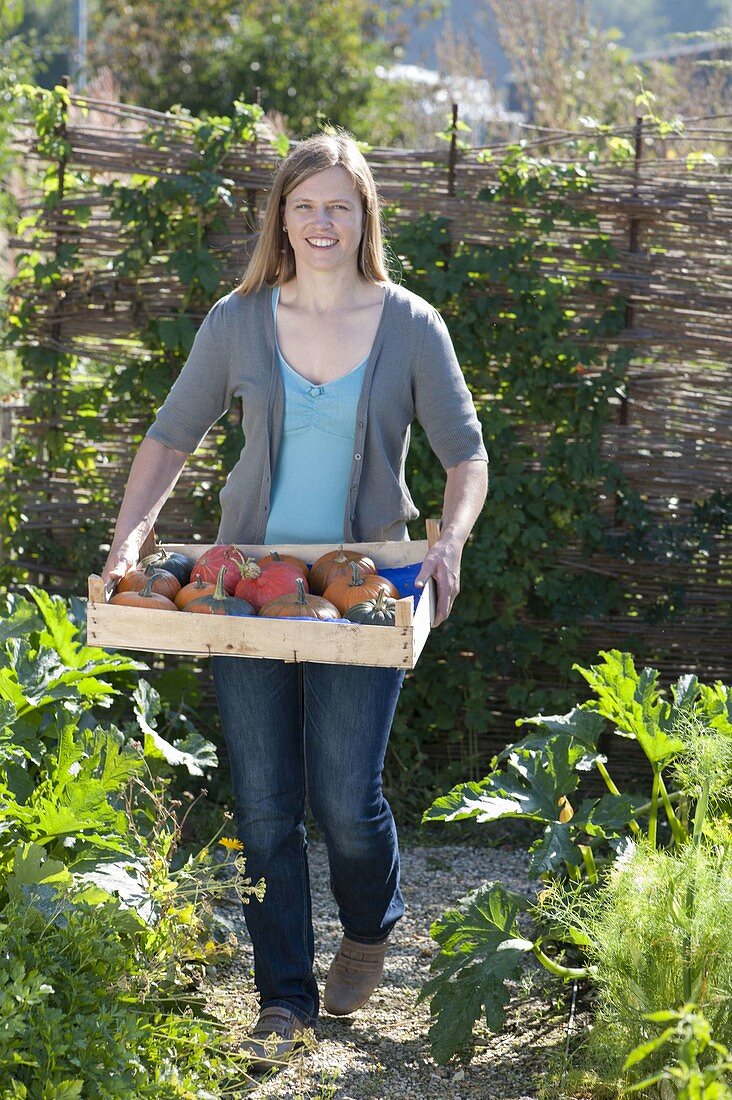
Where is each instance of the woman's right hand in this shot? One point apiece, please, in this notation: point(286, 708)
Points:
point(119, 560)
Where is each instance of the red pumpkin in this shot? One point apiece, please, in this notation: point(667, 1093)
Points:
point(211, 562)
point(164, 583)
point(146, 597)
point(334, 564)
point(218, 603)
point(259, 584)
point(275, 556)
point(299, 605)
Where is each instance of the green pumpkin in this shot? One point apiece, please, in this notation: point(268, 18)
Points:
point(380, 611)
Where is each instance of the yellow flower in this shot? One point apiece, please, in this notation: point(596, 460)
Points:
point(231, 845)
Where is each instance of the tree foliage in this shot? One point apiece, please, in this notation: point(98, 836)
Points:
point(312, 60)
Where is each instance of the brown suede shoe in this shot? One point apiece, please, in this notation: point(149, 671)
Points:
point(273, 1040)
point(353, 976)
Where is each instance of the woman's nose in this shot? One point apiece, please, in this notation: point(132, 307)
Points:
point(322, 217)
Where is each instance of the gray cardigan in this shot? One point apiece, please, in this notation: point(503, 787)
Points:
point(412, 371)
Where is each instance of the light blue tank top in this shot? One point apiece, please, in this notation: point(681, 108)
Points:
point(310, 483)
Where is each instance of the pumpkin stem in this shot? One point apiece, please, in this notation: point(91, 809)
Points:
point(301, 601)
point(380, 601)
point(152, 561)
point(250, 569)
point(220, 590)
point(356, 575)
point(147, 588)
point(341, 556)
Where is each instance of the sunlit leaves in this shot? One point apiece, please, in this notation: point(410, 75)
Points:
point(482, 942)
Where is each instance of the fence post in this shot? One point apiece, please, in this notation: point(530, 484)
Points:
point(54, 409)
point(633, 248)
point(633, 238)
point(452, 160)
point(251, 200)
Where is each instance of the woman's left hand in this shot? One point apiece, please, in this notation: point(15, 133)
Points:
point(442, 562)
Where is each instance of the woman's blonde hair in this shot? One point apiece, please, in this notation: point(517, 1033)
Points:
point(273, 261)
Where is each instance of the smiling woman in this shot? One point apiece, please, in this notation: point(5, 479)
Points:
point(332, 362)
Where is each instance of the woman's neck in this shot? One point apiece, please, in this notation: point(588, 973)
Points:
point(318, 295)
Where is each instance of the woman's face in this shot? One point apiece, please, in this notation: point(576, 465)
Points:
point(324, 220)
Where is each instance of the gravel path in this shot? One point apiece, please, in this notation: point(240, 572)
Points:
point(382, 1051)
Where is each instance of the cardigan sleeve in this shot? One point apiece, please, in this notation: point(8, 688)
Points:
point(442, 400)
point(202, 392)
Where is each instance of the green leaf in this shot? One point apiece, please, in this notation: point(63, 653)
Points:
point(32, 867)
point(481, 948)
point(715, 704)
point(641, 1052)
point(532, 785)
point(607, 816)
point(193, 752)
point(583, 725)
point(124, 879)
point(632, 701)
point(554, 850)
point(60, 633)
point(22, 618)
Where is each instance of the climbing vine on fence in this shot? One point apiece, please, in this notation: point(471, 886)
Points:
point(164, 221)
point(544, 375)
point(536, 338)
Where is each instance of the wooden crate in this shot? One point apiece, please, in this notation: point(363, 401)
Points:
point(398, 646)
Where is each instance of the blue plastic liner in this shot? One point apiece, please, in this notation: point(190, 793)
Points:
point(403, 578)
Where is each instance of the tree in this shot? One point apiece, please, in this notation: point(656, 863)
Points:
point(313, 59)
point(563, 65)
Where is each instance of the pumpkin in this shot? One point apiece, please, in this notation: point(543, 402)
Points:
point(192, 591)
point(344, 592)
point(380, 611)
point(164, 583)
point(259, 584)
point(209, 564)
point(145, 597)
point(217, 602)
point(275, 556)
point(299, 605)
point(180, 565)
point(334, 564)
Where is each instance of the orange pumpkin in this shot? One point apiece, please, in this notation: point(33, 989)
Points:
point(163, 582)
point(299, 605)
point(334, 564)
point(192, 591)
point(345, 592)
point(146, 597)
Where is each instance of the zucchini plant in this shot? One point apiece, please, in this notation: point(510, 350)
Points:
point(630, 887)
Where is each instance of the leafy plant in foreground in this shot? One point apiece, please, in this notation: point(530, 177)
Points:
point(588, 856)
point(688, 1032)
point(103, 941)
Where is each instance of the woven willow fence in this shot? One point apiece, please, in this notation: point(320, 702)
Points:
point(668, 212)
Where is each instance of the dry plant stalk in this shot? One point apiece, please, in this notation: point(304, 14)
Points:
point(563, 64)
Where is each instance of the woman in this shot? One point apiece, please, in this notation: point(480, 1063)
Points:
point(331, 362)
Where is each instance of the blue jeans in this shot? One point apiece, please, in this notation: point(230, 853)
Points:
point(317, 732)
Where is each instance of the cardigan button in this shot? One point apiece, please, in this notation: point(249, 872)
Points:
point(357, 457)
